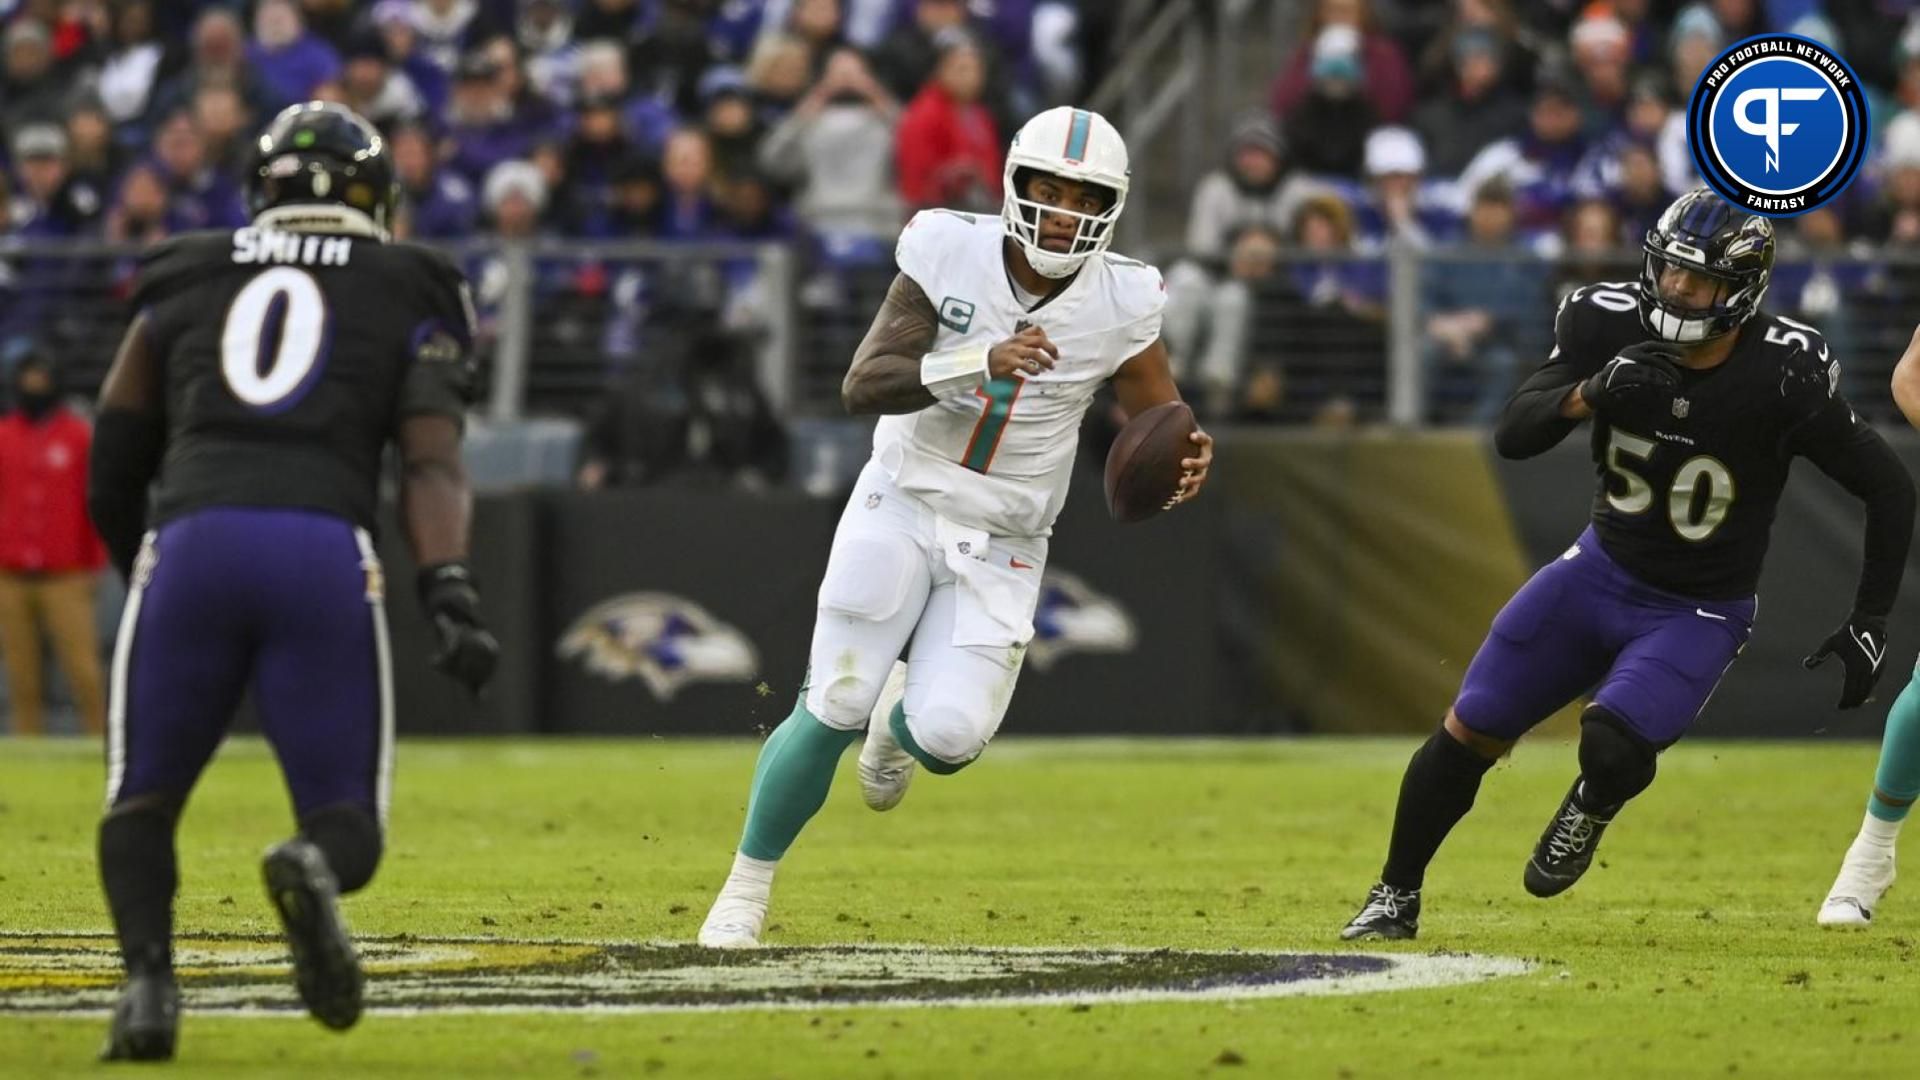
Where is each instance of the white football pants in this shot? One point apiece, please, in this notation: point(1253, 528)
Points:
point(900, 572)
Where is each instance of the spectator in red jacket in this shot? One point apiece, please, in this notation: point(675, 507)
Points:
point(948, 147)
point(50, 557)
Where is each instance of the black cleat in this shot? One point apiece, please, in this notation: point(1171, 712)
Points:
point(325, 968)
point(146, 1020)
point(1566, 849)
point(1390, 913)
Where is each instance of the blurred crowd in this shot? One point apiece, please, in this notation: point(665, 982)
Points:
point(816, 124)
point(1485, 135)
point(670, 119)
point(1490, 130)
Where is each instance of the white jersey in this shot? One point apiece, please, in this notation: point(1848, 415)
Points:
point(999, 459)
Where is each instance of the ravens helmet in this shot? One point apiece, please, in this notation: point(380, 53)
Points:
point(321, 153)
point(1706, 234)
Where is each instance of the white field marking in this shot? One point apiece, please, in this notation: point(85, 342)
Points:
point(866, 970)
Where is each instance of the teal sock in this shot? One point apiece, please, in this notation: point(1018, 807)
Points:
point(904, 735)
point(791, 781)
point(1898, 775)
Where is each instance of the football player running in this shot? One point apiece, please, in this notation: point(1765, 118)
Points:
point(235, 479)
point(993, 339)
point(1866, 872)
point(1693, 435)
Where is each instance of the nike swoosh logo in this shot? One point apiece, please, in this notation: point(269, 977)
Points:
point(1705, 614)
point(1018, 565)
point(1865, 641)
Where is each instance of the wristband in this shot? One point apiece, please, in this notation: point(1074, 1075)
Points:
point(954, 372)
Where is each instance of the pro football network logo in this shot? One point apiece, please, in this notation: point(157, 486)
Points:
point(1778, 124)
point(660, 639)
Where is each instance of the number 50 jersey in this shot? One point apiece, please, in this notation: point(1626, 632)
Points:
point(999, 459)
point(289, 360)
point(1688, 485)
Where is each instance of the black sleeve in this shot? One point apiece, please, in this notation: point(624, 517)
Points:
point(126, 455)
point(1844, 447)
point(440, 378)
point(1532, 423)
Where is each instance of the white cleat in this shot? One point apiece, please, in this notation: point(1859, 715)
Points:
point(1865, 875)
point(735, 921)
point(885, 768)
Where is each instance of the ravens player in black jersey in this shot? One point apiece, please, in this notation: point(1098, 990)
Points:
point(234, 478)
point(1693, 435)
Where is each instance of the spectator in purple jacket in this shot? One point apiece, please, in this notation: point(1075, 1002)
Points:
point(1540, 166)
point(481, 128)
point(393, 19)
point(218, 58)
point(647, 118)
point(291, 60)
point(439, 203)
point(688, 209)
point(539, 116)
point(373, 87)
point(199, 197)
point(598, 147)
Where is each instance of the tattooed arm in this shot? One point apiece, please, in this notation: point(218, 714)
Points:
point(885, 376)
point(890, 368)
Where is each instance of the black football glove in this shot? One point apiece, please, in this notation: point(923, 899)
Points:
point(1647, 368)
point(1862, 646)
point(468, 653)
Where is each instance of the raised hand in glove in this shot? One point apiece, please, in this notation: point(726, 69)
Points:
point(1651, 367)
point(1861, 645)
point(468, 653)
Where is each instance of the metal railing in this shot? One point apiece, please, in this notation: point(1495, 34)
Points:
point(1406, 337)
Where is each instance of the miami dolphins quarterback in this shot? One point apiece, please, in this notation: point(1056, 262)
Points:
point(993, 339)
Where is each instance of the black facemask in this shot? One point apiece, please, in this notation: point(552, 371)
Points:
point(36, 403)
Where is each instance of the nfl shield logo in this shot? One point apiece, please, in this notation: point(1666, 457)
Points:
point(1680, 407)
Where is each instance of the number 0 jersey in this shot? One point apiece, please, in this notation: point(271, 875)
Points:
point(1000, 458)
point(289, 359)
point(1688, 485)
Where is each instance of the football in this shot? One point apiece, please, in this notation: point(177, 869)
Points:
point(1143, 467)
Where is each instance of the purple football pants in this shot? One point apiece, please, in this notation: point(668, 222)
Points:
point(286, 603)
point(1583, 621)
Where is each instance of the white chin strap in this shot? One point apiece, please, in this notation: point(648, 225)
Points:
point(1672, 327)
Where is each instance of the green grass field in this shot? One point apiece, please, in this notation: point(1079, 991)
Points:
point(1690, 951)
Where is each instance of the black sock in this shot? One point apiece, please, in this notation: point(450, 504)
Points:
point(350, 839)
point(1437, 792)
point(137, 868)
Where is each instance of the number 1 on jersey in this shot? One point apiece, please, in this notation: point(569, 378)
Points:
point(297, 349)
point(999, 395)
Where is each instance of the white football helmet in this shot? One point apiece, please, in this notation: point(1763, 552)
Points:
point(1078, 145)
